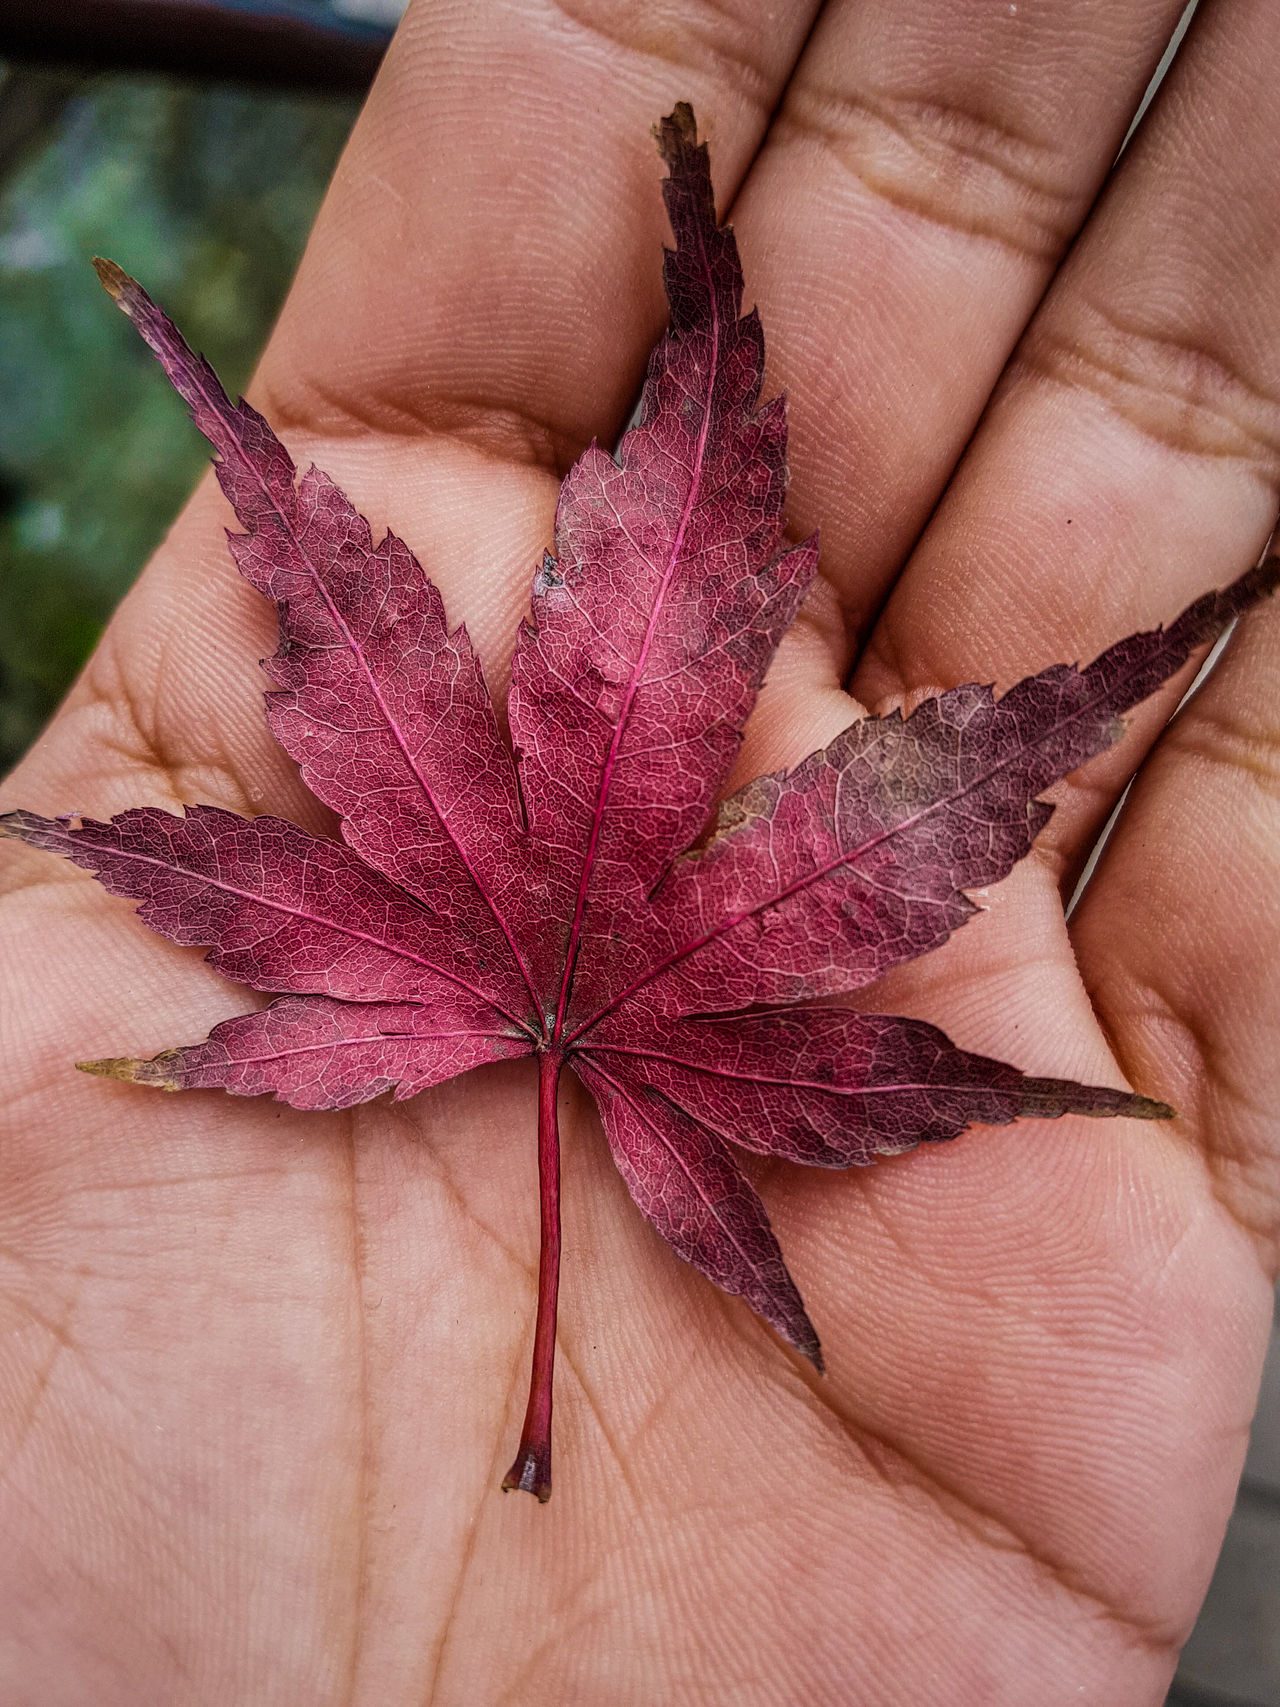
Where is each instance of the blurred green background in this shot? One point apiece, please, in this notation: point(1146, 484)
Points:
point(206, 194)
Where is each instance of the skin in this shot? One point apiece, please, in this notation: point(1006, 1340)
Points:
point(261, 1372)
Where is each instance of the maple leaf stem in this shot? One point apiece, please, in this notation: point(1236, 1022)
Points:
point(532, 1468)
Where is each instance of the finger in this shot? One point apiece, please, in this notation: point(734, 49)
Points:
point(477, 299)
point(928, 168)
point(484, 266)
point(1178, 936)
point(1131, 456)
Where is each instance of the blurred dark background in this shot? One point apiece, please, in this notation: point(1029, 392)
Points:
point(191, 140)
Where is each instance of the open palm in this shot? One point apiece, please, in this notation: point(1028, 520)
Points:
point(262, 1371)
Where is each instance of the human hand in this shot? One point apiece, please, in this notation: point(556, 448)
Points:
point(262, 1370)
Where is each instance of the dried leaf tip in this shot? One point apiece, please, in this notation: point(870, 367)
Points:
point(688, 182)
point(129, 1071)
point(677, 135)
point(113, 279)
point(1146, 1108)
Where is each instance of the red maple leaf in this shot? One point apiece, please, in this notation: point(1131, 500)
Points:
point(484, 905)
